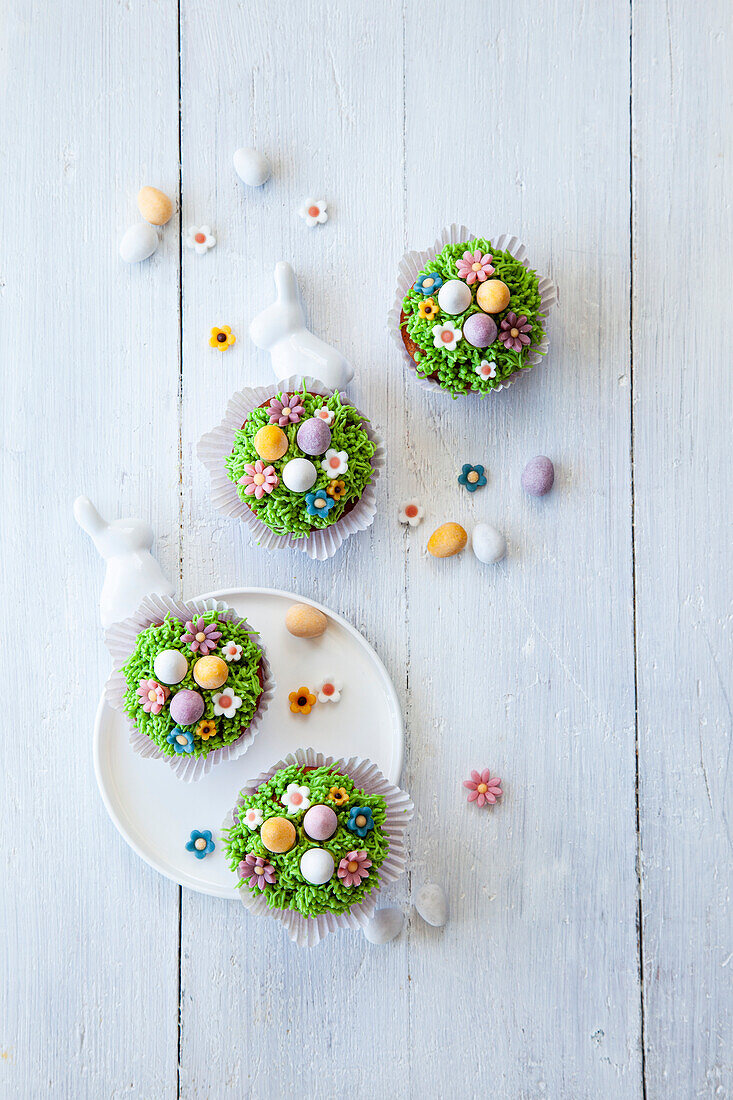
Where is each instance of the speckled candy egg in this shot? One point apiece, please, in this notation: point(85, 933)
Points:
point(305, 621)
point(277, 834)
point(447, 540)
point(480, 330)
point(488, 544)
point(186, 707)
point(154, 205)
point(299, 475)
point(492, 296)
point(314, 436)
point(454, 296)
point(210, 672)
point(538, 476)
point(170, 666)
point(320, 822)
point(271, 442)
point(316, 866)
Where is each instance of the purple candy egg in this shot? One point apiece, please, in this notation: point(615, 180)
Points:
point(480, 330)
point(186, 707)
point(320, 822)
point(314, 436)
point(538, 476)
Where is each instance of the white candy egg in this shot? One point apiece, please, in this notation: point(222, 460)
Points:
point(139, 242)
point(251, 167)
point(170, 666)
point(432, 904)
point(454, 296)
point(489, 545)
point(384, 925)
point(299, 475)
point(316, 866)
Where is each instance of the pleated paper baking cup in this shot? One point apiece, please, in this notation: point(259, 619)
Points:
point(120, 640)
point(215, 447)
point(412, 264)
point(308, 931)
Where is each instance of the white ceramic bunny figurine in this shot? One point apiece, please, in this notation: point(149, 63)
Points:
point(281, 330)
point(132, 571)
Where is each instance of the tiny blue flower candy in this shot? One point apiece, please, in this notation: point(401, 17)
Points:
point(181, 740)
point(200, 843)
point(360, 821)
point(428, 283)
point(319, 503)
point(472, 477)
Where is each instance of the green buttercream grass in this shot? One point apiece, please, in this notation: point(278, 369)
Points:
point(243, 680)
point(290, 890)
point(283, 511)
point(456, 370)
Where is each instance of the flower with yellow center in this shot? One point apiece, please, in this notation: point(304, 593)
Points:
point(222, 338)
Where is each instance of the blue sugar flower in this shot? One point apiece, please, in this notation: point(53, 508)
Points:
point(428, 283)
point(181, 740)
point(472, 477)
point(319, 503)
point(360, 821)
point(200, 843)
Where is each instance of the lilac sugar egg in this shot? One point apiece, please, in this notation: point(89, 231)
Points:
point(538, 476)
point(480, 330)
point(320, 822)
point(186, 707)
point(314, 436)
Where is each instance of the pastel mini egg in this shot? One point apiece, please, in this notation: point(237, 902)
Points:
point(538, 476)
point(432, 904)
point(270, 442)
point(320, 822)
point(277, 834)
point(170, 666)
point(384, 925)
point(493, 296)
point(480, 330)
point(314, 436)
point(316, 866)
point(447, 540)
point(299, 475)
point(488, 544)
point(454, 296)
point(210, 672)
point(252, 167)
point(154, 205)
point(186, 707)
point(305, 621)
point(138, 243)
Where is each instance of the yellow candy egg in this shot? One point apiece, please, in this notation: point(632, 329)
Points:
point(278, 834)
point(447, 540)
point(154, 205)
point(210, 672)
point(492, 296)
point(305, 621)
point(271, 442)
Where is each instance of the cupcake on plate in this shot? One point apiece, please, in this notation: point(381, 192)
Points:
point(470, 313)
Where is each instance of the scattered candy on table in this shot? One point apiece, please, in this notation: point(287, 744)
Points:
point(447, 540)
point(432, 904)
point(475, 265)
point(226, 703)
point(201, 239)
point(138, 243)
point(154, 205)
point(314, 436)
point(299, 475)
point(484, 789)
point(514, 332)
point(313, 212)
point(411, 512)
point(200, 843)
point(486, 370)
point(252, 167)
point(270, 442)
point(329, 691)
point(320, 823)
point(316, 866)
point(488, 544)
point(201, 637)
point(210, 672)
point(384, 926)
point(472, 477)
point(302, 701)
point(454, 296)
point(538, 476)
point(181, 740)
point(186, 707)
point(170, 666)
point(278, 835)
point(479, 330)
point(354, 867)
point(493, 296)
point(305, 621)
point(222, 338)
point(446, 336)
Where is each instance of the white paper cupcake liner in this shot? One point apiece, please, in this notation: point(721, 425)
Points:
point(120, 640)
point(215, 446)
point(412, 264)
point(308, 931)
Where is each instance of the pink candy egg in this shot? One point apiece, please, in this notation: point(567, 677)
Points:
point(480, 330)
point(320, 822)
point(186, 707)
point(314, 436)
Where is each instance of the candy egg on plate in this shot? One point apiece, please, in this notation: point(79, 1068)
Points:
point(304, 621)
point(170, 666)
point(454, 296)
point(316, 866)
point(299, 475)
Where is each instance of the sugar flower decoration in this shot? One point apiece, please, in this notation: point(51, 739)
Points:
point(252, 817)
point(258, 479)
point(226, 703)
point(329, 691)
point(295, 798)
point(486, 370)
point(428, 283)
point(200, 239)
point(152, 696)
point(200, 843)
point(446, 336)
point(319, 503)
point(313, 212)
point(428, 309)
point(222, 338)
point(338, 795)
point(302, 701)
point(206, 729)
point(354, 867)
point(181, 740)
point(324, 414)
point(285, 412)
point(514, 332)
point(483, 788)
point(336, 489)
point(474, 266)
point(256, 871)
point(231, 651)
point(201, 637)
point(335, 463)
point(411, 512)
point(360, 821)
point(472, 477)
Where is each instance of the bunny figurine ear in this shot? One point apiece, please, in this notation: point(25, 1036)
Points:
point(294, 349)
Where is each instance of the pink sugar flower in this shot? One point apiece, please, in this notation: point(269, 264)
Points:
point(285, 412)
point(152, 696)
point(514, 332)
point(200, 637)
point(354, 867)
point(483, 788)
point(258, 479)
point(256, 871)
point(474, 266)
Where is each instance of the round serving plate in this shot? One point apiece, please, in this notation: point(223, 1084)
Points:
point(155, 812)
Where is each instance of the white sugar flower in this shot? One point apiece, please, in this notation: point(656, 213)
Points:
point(324, 414)
point(252, 818)
point(201, 239)
point(226, 703)
point(329, 691)
point(313, 212)
point(295, 798)
point(231, 651)
point(446, 336)
point(486, 370)
point(411, 512)
point(335, 463)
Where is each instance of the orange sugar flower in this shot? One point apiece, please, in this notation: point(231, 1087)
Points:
point(302, 701)
point(338, 796)
point(336, 489)
point(222, 338)
point(428, 309)
point(206, 729)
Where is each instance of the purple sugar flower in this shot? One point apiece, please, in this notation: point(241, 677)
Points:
point(256, 871)
point(286, 412)
point(200, 637)
point(514, 332)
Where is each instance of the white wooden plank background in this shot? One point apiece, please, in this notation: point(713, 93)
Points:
point(589, 950)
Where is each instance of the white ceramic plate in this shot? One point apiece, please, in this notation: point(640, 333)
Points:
point(155, 812)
